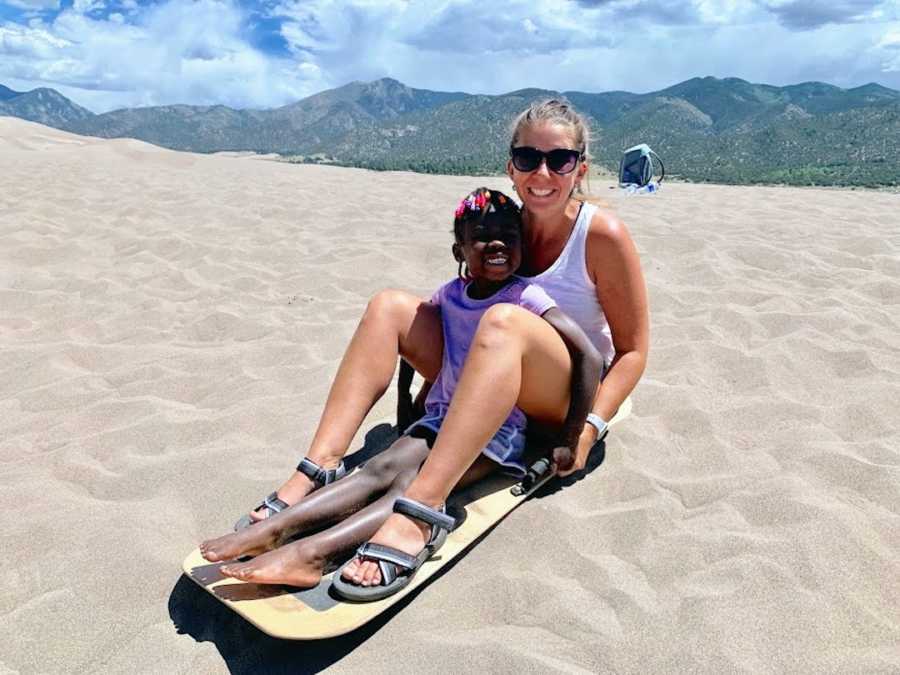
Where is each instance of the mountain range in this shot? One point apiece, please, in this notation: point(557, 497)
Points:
point(706, 129)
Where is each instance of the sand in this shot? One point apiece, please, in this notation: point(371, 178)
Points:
point(169, 324)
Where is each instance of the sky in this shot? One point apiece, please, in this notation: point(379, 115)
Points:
point(107, 54)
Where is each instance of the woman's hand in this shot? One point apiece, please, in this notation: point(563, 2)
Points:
point(569, 460)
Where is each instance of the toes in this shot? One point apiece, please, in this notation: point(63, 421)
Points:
point(360, 576)
point(350, 569)
point(362, 572)
point(237, 572)
point(369, 575)
point(211, 550)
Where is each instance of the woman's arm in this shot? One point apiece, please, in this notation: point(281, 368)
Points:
point(615, 268)
point(586, 366)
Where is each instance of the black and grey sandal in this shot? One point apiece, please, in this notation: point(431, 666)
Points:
point(274, 504)
point(397, 568)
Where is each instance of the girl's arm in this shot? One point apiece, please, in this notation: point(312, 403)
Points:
point(586, 365)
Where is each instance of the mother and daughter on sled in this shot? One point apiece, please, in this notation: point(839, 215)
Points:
point(550, 301)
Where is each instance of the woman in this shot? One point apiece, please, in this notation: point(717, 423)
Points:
point(581, 255)
point(602, 289)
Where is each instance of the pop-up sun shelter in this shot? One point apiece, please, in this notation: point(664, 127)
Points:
point(636, 167)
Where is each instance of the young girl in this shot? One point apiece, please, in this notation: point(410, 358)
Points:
point(487, 233)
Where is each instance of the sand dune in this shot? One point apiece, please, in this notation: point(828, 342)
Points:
point(169, 323)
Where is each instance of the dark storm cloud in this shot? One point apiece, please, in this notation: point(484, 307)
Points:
point(652, 11)
point(810, 14)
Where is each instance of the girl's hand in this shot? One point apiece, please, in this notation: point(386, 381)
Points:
point(580, 455)
point(562, 458)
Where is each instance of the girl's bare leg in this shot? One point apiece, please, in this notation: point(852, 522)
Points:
point(301, 563)
point(394, 324)
point(516, 358)
point(330, 504)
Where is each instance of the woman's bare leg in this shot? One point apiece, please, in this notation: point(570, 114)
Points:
point(481, 468)
point(516, 358)
point(394, 324)
point(330, 504)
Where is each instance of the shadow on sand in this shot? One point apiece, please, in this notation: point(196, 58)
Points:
point(246, 649)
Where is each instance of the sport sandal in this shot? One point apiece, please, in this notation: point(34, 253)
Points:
point(397, 568)
point(274, 504)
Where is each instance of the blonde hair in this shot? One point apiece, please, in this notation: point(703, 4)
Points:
point(559, 112)
point(554, 111)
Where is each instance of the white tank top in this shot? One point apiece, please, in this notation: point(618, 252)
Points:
point(567, 281)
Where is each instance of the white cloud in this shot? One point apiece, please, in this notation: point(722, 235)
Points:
point(87, 6)
point(202, 51)
point(32, 42)
point(178, 51)
point(891, 39)
point(889, 49)
point(458, 44)
point(550, 26)
point(32, 4)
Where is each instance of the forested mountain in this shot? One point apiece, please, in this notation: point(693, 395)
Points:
point(46, 106)
point(706, 129)
point(6, 93)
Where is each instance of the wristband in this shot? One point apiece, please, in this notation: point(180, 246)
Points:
point(600, 424)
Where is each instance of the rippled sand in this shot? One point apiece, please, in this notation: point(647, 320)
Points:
point(169, 324)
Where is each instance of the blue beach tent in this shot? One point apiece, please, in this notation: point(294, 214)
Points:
point(636, 167)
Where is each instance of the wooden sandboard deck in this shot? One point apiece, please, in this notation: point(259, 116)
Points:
point(316, 613)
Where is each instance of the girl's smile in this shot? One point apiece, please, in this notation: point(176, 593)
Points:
point(492, 251)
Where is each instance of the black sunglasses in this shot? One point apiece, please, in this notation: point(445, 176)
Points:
point(560, 160)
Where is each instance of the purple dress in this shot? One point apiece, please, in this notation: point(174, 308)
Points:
point(460, 315)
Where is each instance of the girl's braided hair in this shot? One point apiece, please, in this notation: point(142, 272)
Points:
point(478, 205)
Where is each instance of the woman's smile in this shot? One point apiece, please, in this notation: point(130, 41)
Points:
point(542, 188)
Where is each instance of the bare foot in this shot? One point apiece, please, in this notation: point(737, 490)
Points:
point(399, 532)
point(292, 565)
point(249, 541)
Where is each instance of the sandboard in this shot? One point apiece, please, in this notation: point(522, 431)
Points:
point(316, 613)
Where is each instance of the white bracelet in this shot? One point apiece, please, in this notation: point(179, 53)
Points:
point(600, 424)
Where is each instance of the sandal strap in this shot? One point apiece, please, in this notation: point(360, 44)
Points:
point(319, 475)
point(380, 552)
point(274, 503)
point(434, 517)
point(393, 562)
